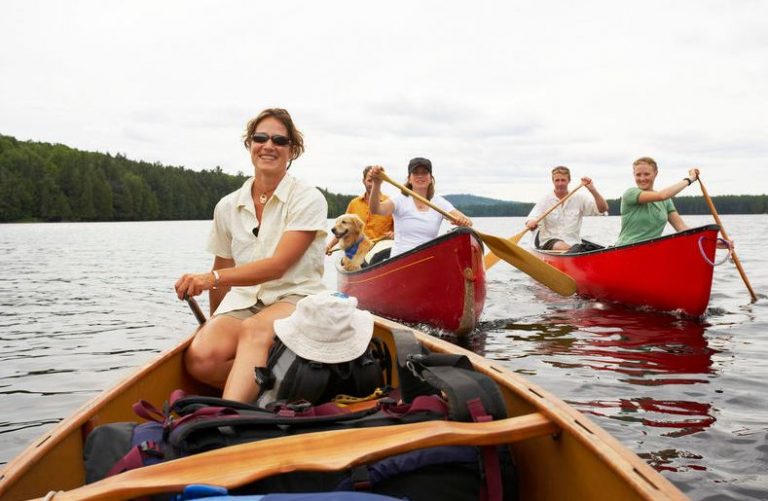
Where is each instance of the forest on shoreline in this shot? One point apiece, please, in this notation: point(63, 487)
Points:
point(53, 182)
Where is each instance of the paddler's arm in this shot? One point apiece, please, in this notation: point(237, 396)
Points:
point(670, 191)
point(461, 218)
point(292, 245)
point(215, 296)
point(385, 208)
point(676, 221)
point(602, 205)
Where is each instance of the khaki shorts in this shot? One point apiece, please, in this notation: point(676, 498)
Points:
point(244, 313)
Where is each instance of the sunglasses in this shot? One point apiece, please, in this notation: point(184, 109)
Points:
point(277, 139)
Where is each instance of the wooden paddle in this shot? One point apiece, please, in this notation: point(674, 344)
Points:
point(199, 315)
point(508, 251)
point(725, 235)
point(490, 259)
point(321, 451)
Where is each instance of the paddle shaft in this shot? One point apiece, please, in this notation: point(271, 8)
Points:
point(321, 451)
point(725, 235)
point(199, 315)
point(491, 258)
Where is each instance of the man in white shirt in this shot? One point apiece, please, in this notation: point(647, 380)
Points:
point(562, 227)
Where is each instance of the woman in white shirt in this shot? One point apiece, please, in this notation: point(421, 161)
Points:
point(415, 222)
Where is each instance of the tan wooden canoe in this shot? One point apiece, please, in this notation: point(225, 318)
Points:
point(560, 453)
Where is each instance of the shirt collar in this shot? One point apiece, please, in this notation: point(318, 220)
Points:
point(244, 199)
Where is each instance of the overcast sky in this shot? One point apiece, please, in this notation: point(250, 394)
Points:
point(495, 93)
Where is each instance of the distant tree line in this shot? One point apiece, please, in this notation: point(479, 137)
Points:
point(727, 204)
point(52, 182)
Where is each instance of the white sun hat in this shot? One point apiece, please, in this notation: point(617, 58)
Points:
point(326, 328)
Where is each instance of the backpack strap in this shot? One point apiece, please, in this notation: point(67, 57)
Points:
point(366, 373)
point(424, 373)
point(305, 380)
point(493, 489)
point(411, 384)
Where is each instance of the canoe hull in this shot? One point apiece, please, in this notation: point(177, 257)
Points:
point(440, 283)
point(668, 273)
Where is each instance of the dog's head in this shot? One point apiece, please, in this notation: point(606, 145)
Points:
point(348, 227)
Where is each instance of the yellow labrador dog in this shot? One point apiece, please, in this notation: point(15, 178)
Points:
point(348, 228)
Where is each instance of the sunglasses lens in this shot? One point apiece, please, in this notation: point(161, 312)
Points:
point(280, 140)
point(260, 138)
point(277, 140)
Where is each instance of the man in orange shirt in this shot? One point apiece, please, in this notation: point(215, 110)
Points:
point(376, 227)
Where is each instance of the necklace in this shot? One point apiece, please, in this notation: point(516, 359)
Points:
point(264, 196)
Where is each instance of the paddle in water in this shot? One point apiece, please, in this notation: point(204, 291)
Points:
point(725, 235)
point(508, 251)
point(490, 259)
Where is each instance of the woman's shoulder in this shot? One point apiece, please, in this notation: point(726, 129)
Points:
point(239, 196)
point(300, 190)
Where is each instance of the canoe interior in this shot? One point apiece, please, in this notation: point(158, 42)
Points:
point(581, 461)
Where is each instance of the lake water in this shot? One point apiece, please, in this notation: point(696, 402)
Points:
point(81, 305)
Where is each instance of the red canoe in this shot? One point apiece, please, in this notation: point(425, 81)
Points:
point(669, 273)
point(441, 283)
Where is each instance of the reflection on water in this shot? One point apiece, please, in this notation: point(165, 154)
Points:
point(643, 349)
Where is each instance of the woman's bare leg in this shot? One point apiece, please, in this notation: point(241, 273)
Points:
point(256, 336)
point(209, 357)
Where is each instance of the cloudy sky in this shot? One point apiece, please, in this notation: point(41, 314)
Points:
point(495, 93)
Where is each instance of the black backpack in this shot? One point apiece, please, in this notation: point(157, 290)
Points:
point(289, 377)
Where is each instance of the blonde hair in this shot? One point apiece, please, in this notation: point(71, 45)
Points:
point(646, 160)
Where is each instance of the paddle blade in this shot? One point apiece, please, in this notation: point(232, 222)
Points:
point(491, 259)
point(529, 264)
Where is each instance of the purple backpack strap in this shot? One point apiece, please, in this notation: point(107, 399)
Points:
point(493, 489)
point(146, 410)
point(204, 412)
point(422, 403)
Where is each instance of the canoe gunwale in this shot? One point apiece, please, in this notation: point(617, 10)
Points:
point(450, 235)
point(618, 248)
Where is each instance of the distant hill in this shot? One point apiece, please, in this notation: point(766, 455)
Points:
point(475, 206)
point(467, 199)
